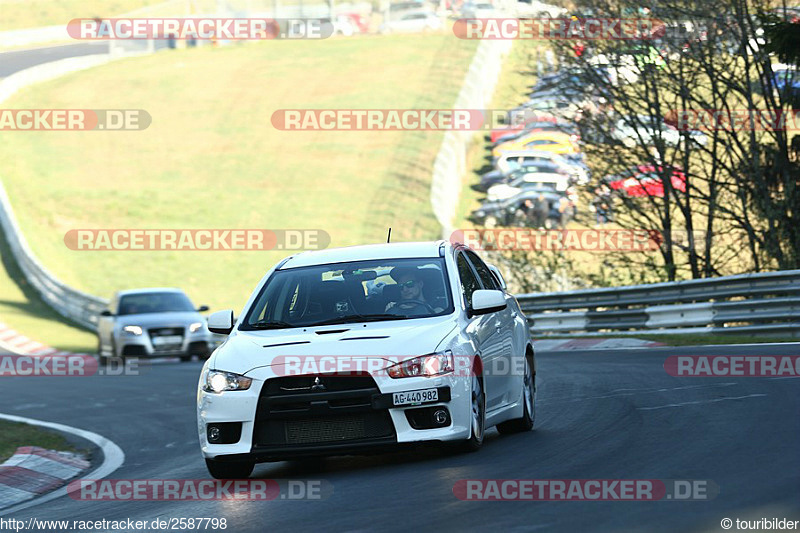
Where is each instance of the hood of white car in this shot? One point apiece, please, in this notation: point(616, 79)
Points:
point(247, 351)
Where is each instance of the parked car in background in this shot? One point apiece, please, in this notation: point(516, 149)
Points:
point(645, 180)
point(535, 8)
point(411, 22)
point(349, 24)
point(641, 129)
point(153, 323)
point(509, 161)
point(515, 211)
point(546, 140)
point(478, 10)
point(518, 125)
point(531, 180)
point(494, 177)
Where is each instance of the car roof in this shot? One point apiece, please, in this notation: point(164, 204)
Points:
point(149, 290)
point(366, 252)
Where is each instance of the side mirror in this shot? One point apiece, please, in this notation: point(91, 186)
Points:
point(202, 308)
point(487, 301)
point(221, 322)
point(106, 312)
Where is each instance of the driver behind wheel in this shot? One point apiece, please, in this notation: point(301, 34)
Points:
point(412, 299)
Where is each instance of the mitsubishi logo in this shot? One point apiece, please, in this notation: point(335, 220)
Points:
point(317, 384)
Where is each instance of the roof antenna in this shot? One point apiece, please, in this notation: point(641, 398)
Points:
point(389, 236)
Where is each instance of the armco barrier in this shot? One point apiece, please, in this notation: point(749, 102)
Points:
point(68, 302)
point(764, 303)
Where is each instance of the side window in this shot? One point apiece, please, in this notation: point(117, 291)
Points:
point(483, 272)
point(469, 283)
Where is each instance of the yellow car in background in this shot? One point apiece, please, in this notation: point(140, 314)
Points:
point(556, 142)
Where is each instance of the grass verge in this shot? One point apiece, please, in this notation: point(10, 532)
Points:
point(16, 434)
point(211, 158)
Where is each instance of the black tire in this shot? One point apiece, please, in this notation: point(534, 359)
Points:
point(230, 470)
point(186, 358)
point(519, 425)
point(478, 411)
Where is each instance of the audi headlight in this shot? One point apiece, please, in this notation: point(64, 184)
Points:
point(218, 381)
point(434, 364)
point(133, 330)
point(195, 326)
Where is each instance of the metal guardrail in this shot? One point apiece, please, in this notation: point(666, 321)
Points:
point(760, 303)
point(68, 302)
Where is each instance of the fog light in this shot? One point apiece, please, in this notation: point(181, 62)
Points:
point(440, 417)
point(213, 434)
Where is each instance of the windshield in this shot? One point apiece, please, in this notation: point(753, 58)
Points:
point(154, 302)
point(389, 289)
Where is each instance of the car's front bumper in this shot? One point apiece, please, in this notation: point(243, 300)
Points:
point(200, 343)
point(370, 423)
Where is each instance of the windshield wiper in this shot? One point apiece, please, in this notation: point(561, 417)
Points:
point(358, 318)
point(271, 324)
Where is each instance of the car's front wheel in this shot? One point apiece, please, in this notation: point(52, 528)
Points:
point(477, 415)
point(229, 470)
point(528, 403)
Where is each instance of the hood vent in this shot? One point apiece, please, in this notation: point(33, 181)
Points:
point(365, 338)
point(327, 331)
point(286, 344)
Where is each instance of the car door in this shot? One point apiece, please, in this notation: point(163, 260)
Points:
point(503, 323)
point(482, 329)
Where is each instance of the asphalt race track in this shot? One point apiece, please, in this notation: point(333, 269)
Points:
point(11, 62)
point(600, 415)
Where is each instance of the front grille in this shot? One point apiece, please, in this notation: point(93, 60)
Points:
point(155, 333)
point(293, 411)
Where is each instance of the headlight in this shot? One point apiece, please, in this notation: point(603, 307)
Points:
point(219, 381)
point(434, 364)
point(133, 330)
point(195, 326)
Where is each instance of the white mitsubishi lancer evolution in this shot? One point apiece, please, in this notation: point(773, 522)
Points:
point(349, 350)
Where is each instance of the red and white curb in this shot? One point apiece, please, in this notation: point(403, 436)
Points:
point(17, 343)
point(33, 475)
point(32, 471)
point(563, 345)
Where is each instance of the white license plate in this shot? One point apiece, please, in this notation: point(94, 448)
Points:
point(169, 339)
point(415, 396)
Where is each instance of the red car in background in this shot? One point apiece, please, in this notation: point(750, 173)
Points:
point(645, 180)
